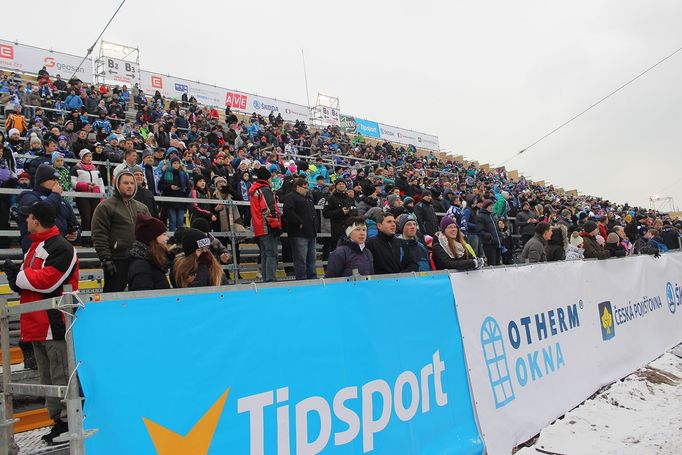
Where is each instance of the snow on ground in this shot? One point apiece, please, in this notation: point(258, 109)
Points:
point(639, 415)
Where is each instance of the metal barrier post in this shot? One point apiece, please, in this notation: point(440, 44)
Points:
point(7, 444)
point(74, 410)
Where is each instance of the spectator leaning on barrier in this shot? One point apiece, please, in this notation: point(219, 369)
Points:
point(592, 248)
point(48, 189)
point(149, 257)
point(197, 267)
point(267, 222)
point(650, 243)
point(535, 248)
point(300, 219)
point(450, 249)
point(351, 252)
point(113, 231)
point(670, 235)
point(50, 263)
point(389, 254)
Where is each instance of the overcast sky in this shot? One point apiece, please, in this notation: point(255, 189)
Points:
point(488, 78)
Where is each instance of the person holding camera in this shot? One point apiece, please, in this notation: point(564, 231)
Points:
point(339, 208)
point(266, 221)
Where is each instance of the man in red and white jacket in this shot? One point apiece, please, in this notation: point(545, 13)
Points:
point(50, 263)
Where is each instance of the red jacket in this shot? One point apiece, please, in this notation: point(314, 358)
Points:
point(50, 263)
point(264, 207)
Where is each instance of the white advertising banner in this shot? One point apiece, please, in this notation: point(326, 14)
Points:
point(29, 59)
point(121, 71)
point(408, 137)
point(174, 87)
point(639, 303)
point(545, 337)
point(211, 95)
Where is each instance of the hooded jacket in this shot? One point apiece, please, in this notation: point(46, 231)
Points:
point(50, 263)
point(263, 207)
point(534, 250)
point(113, 224)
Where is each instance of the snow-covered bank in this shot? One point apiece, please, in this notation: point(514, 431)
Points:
point(641, 414)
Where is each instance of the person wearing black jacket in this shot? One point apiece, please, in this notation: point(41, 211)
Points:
point(670, 235)
point(143, 194)
point(339, 208)
point(300, 220)
point(489, 234)
point(148, 256)
point(426, 214)
point(387, 251)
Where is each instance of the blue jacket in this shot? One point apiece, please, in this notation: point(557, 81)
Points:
point(102, 124)
point(66, 218)
point(74, 102)
point(419, 253)
point(372, 229)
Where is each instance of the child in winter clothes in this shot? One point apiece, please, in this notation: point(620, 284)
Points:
point(574, 250)
point(63, 170)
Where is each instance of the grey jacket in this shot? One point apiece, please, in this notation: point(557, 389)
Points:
point(534, 251)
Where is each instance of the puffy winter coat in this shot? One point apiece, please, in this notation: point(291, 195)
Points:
point(143, 274)
point(50, 263)
point(265, 215)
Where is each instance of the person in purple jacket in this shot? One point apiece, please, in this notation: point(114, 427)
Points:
point(351, 252)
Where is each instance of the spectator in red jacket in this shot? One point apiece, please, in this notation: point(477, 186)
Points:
point(50, 263)
point(267, 222)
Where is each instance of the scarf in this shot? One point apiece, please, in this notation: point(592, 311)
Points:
point(86, 167)
point(443, 240)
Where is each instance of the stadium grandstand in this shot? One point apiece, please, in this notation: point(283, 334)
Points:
point(158, 193)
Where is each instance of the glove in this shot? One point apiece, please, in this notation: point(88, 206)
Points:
point(11, 270)
point(479, 263)
point(109, 267)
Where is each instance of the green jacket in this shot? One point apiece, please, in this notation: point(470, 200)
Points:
point(500, 207)
point(113, 226)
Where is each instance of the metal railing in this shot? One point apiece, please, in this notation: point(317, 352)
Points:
point(69, 392)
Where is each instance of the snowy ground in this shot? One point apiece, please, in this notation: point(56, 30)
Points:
point(640, 415)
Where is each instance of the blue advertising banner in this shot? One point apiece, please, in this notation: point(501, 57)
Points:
point(369, 366)
point(367, 128)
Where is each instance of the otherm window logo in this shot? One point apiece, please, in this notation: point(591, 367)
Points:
point(534, 353)
point(496, 361)
point(608, 328)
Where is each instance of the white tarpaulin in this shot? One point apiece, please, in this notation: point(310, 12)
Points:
point(29, 59)
point(211, 95)
point(538, 342)
point(408, 137)
point(121, 71)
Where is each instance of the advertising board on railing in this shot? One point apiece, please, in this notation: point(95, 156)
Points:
point(350, 367)
point(408, 137)
point(543, 338)
point(30, 59)
point(211, 95)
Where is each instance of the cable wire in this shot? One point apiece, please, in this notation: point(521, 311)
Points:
point(90, 49)
point(593, 105)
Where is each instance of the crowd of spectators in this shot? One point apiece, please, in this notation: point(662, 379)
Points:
point(386, 208)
